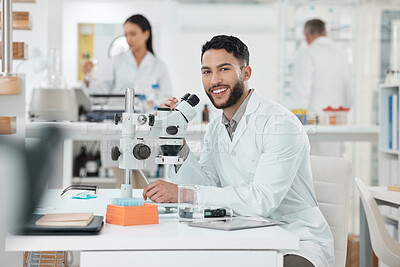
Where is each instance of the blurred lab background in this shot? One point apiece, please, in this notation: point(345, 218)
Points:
point(67, 33)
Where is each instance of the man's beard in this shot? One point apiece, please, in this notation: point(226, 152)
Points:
point(235, 95)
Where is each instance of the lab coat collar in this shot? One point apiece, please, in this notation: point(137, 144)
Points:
point(252, 106)
point(321, 40)
point(147, 59)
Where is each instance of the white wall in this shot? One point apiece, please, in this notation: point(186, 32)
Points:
point(179, 31)
point(45, 34)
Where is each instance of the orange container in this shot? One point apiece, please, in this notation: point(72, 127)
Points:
point(133, 215)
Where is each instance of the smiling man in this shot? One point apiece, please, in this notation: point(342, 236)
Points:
point(255, 158)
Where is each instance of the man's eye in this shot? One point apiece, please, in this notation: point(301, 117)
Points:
point(206, 72)
point(224, 69)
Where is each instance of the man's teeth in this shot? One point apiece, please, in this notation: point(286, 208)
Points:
point(220, 90)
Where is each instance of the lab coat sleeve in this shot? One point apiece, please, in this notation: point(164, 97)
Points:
point(105, 82)
point(201, 172)
point(165, 82)
point(284, 147)
point(302, 80)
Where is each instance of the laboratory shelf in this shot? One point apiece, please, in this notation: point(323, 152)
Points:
point(109, 131)
point(87, 131)
point(93, 180)
point(390, 151)
point(293, 39)
point(394, 85)
point(389, 160)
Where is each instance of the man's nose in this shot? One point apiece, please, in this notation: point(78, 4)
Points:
point(215, 79)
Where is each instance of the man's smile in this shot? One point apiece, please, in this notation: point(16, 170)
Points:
point(219, 91)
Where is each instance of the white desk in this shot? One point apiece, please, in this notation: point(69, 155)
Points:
point(382, 197)
point(166, 244)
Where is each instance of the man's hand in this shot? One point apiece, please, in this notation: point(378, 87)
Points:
point(170, 103)
point(161, 192)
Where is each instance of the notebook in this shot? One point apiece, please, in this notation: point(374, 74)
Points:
point(65, 219)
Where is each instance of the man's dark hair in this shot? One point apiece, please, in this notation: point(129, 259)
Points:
point(231, 44)
point(145, 25)
point(315, 27)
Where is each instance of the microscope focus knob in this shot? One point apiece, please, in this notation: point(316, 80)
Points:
point(141, 151)
point(115, 153)
point(117, 118)
point(151, 119)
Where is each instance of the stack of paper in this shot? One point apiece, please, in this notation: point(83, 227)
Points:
point(66, 219)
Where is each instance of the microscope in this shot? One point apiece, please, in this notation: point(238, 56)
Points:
point(141, 132)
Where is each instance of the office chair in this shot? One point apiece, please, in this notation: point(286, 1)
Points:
point(386, 248)
point(332, 180)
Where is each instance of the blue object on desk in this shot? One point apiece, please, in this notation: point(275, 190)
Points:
point(127, 201)
point(83, 195)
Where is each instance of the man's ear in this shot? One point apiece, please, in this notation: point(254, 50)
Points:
point(246, 73)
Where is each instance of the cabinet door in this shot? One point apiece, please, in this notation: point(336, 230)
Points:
point(191, 258)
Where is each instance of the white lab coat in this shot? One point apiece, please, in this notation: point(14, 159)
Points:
point(321, 78)
point(264, 171)
point(122, 71)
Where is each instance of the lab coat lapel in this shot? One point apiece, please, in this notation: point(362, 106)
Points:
point(147, 60)
point(224, 142)
point(252, 106)
point(239, 132)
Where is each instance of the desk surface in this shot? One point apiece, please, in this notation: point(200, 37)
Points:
point(168, 235)
point(381, 193)
point(109, 131)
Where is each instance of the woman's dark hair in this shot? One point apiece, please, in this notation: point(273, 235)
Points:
point(231, 44)
point(144, 24)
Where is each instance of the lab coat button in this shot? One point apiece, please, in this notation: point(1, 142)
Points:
point(233, 153)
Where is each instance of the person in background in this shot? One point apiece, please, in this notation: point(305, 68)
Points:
point(255, 157)
point(137, 68)
point(321, 78)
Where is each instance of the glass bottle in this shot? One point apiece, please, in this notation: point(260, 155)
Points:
point(205, 115)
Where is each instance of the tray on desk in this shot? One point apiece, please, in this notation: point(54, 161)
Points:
point(30, 228)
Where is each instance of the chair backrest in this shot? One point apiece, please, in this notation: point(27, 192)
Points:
point(332, 180)
point(386, 248)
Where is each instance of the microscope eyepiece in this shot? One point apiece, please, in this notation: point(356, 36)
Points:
point(185, 97)
point(193, 100)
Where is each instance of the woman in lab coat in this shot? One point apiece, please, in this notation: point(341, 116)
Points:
point(138, 67)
